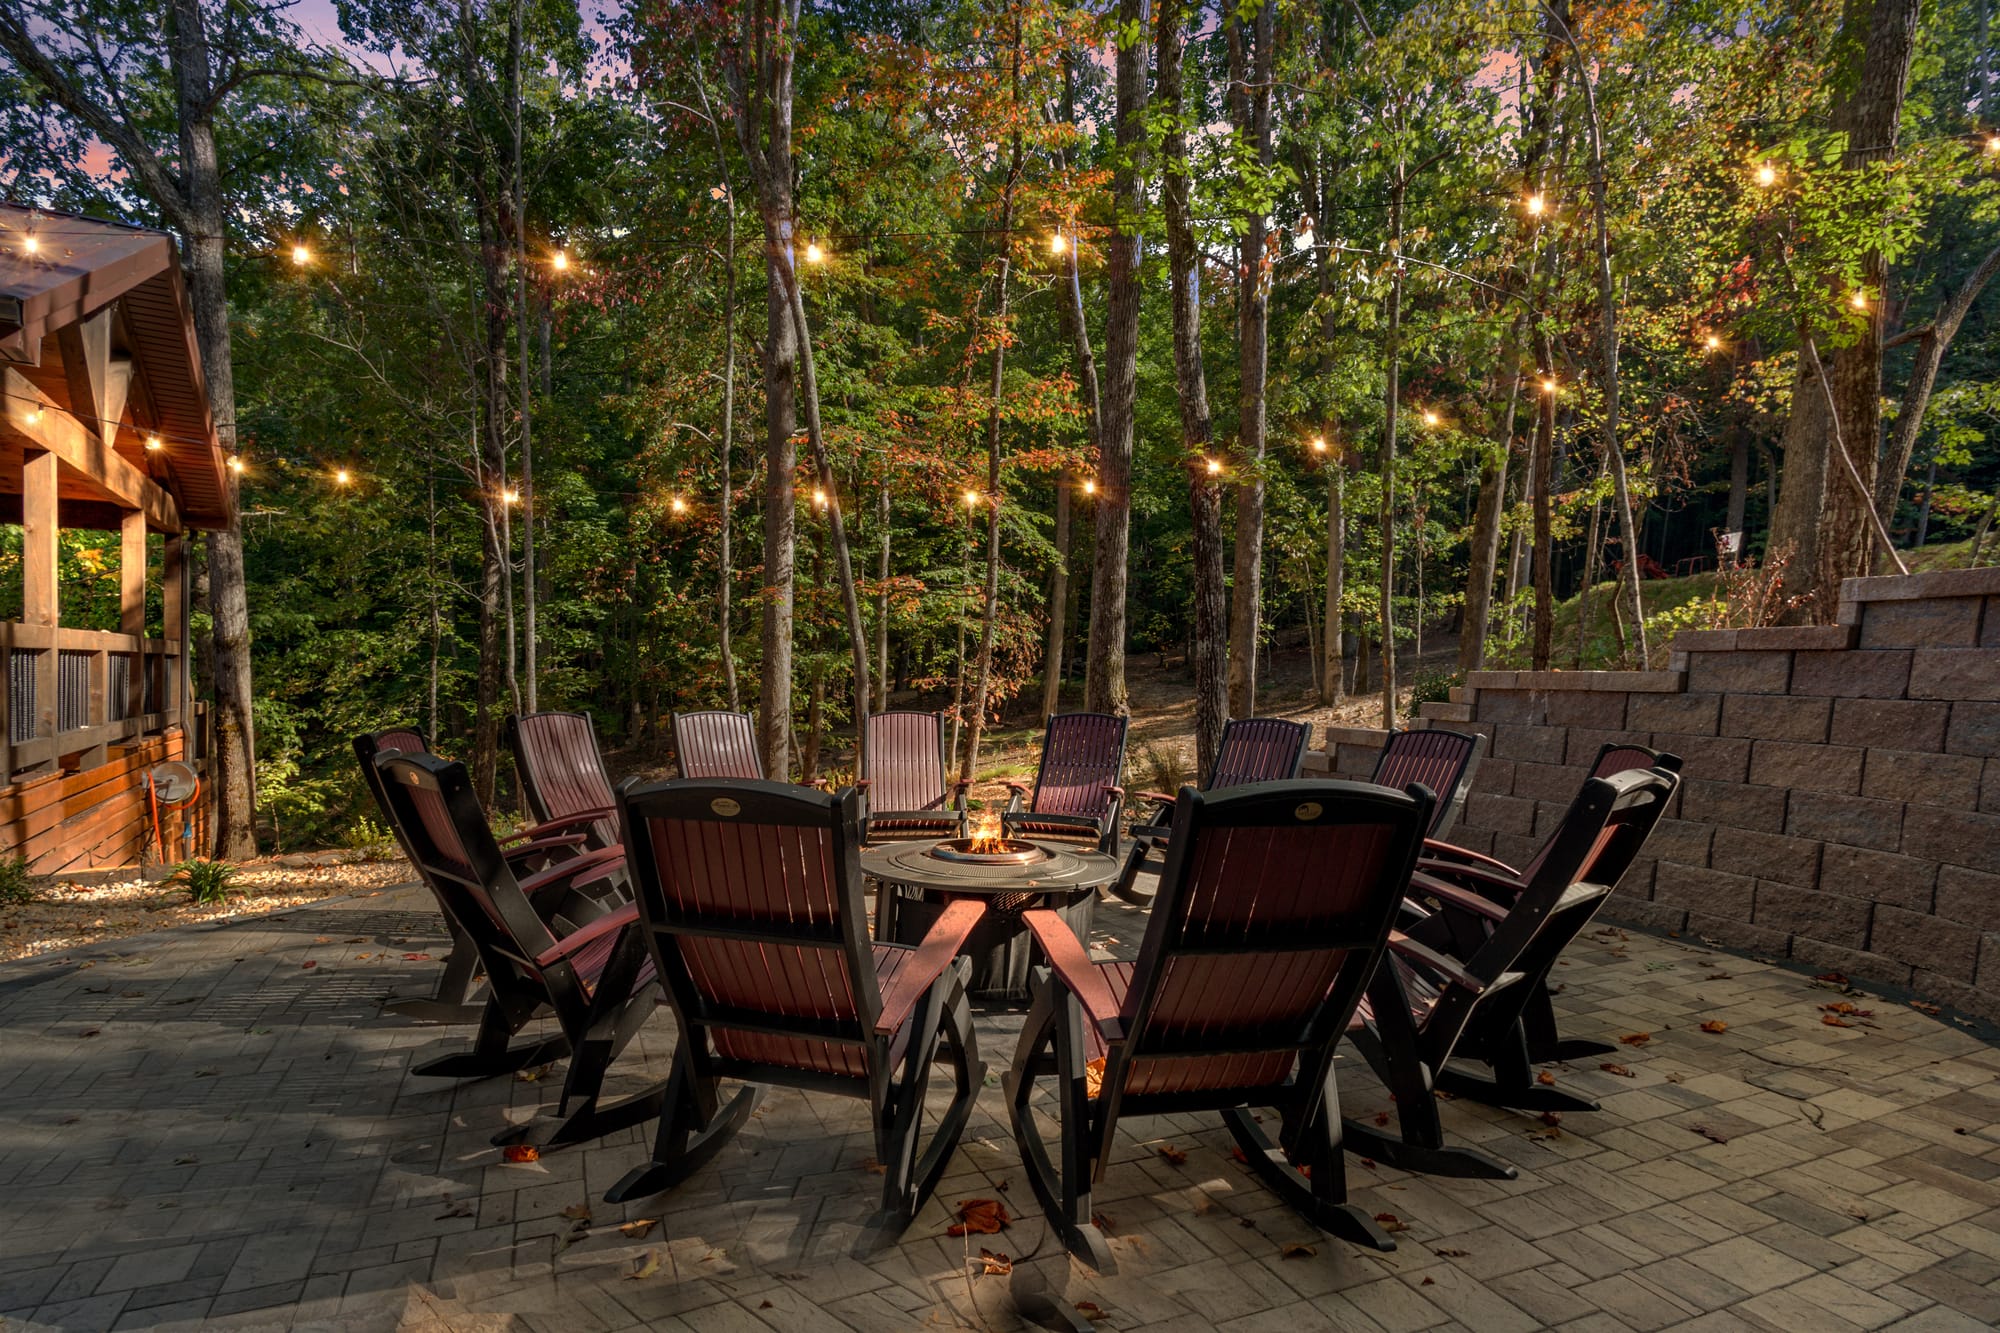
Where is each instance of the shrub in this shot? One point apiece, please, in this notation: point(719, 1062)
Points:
point(206, 881)
point(1433, 687)
point(371, 841)
point(1165, 768)
point(17, 886)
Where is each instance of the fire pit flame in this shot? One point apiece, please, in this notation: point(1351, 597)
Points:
point(989, 845)
point(986, 838)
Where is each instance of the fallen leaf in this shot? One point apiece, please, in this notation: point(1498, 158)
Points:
point(577, 1212)
point(1552, 1118)
point(90, 1032)
point(1391, 1222)
point(1174, 1156)
point(1451, 1254)
point(1091, 1310)
point(995, 1265)
point(1428, 1282)
point(1093, 1077)
point(1619, 1070)
point(765, 1305)
point(416, 958)
point(1635, 1038)
point(1715, 1025)
point(1831, 978)
point(534, 1075)
point(308, 965)
point(1849, 1010)
point(1961, 1131)
point(1546, 1079)
point(1381, 1117)
point(647, 1266)
point(1296, 1250)
point(985, 1217)
point(873, 1167)
point(1835, 1021)
point(1712, 1135)
point(638, 1228)
point(1924, 1007)
point(189, 1160)
point(454, 1210)
point(1237, 1153)
point(521, 1152)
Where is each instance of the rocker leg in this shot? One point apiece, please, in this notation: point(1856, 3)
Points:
point(1394, 1056)
point(1513, 1082)
point(1125, 887)
point(1323, 1202)
point(1051, 1045)
point(687, 1139)
point(491, 1055)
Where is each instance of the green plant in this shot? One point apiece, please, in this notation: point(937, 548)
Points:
point(206, 881)
point(1433, 687)
point(17, 886)
point(1165, 768)
point(371, 841)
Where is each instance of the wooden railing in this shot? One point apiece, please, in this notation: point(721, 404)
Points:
point(73, 692)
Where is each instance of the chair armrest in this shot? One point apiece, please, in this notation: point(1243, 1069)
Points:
point(1156, 797)
point(1469, 876)
point(864, 783)
point(602, 862)
point(536, 832)
point(1433, 847)
point(1447, 968)
point(1015, 802)
point(1453, 895)
point(940, 945)
point(1115, 791)
point(1071, 962)
point(583, 935)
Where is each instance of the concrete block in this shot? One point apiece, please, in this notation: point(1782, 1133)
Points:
point(1716, 758)
point(1903, 724)
point(1878, 674)
point(1955, 673)
point(1517, 707)
point(1955, 837)
point(1589, 708)
point(1585, 742)
point(1684, 714)
point(1970, 897)
point(1883, 877)
point(1851, 821)
point(1858, 964)
point(1813, 768)
point(1946, 622)
point(1981, 582)
point(1494, 775)
point(1736, 933)
point(1646, 915)
point(1682, 841)
point(1974, 728)
point(1923, 777)
point(1739, 673)
point(1766, 856)
point(1714, 893)
point(1540, 745)
point(1500, 814)
point(1548, 782)
point(1932, 943)
point(1734, 804)
point(1777, 717)
point(1823, 916)
point(1819, 638)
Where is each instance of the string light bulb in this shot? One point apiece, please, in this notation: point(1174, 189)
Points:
point(1058, 243)
point(972, 499)
point(1319, 444)
point(1859, 300)
point(152, 444)
point(560, 262)
point(1090, 485)
point(1992, 146)
point(236, 464)
point(31, 243)
point(1215, 467)
point(679, 505)
point(341, 477)
point(1712, 342)
point(301, 256)
point(1430, 418)
point(35, 415)
point(814, 255)
point(1548, 385)
point(1767, 174)
point(819, 497)
point(510, 497)
point(1536, 204)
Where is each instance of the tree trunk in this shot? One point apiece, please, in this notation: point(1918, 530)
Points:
point(1052, 656)
point(1739, 489)
point(1483, 547)
point(524, 330)
point(1542, 466)
point(1104, 675)
point(1086, 387)
point(1250, 98)
point(1821, 516)
point(725, 557)
point(1392, 388)
point(1208, 651)
point(883, 513)
point(1932, 344)
point(1924, 509)
point(1330, 685)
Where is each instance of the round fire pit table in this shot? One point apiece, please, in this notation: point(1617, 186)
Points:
point(919, 879)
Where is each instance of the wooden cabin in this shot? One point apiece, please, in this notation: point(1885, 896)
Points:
point(106, 426)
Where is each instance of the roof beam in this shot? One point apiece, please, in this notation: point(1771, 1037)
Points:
point(55, 430)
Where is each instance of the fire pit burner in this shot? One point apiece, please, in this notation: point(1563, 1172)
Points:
point(990, 852)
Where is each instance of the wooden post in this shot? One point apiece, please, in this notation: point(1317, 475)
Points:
point(39, 604)
point(173, 628)
point(132, 606)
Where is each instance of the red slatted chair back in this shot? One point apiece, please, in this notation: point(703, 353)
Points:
point(1273, 910)
point(562, 769)
point(906, 761)
point(1258, 749)
point(1616, 758)
point(1082, 754)
point(450, 843)
point(372, 743)
point(717, 745)
point(1441, 760)
point(751, 896)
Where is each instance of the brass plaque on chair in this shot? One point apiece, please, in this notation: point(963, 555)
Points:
point(1308, 811)
point(724, 806)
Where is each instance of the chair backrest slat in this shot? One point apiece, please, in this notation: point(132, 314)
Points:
point(561, 768)
point(906, 761)
point(717, 745)
point(1303, 880)
point(1439, 759)
point(744, 854)
point(367, 746)
point(1258, 749)
point(1082, 754)
point(1613, 758)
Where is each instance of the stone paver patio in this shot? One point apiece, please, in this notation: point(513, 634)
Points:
point(214, 1128)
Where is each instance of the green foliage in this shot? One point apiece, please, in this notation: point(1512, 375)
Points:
point(1434, 687)
point(207, 882)
point(1165, 768)
point(17, 886)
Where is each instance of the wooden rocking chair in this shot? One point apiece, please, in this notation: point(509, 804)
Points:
point(751, 898)
point(1253, 749)
point(596, 978)
point(717, 744)
point(1442, 760)
point(1273, 911)
point(450, 1000)
point(1426, 1008)
point(1502, 883)
point(1076, 793)
point(905, 787)
point(562, 772)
